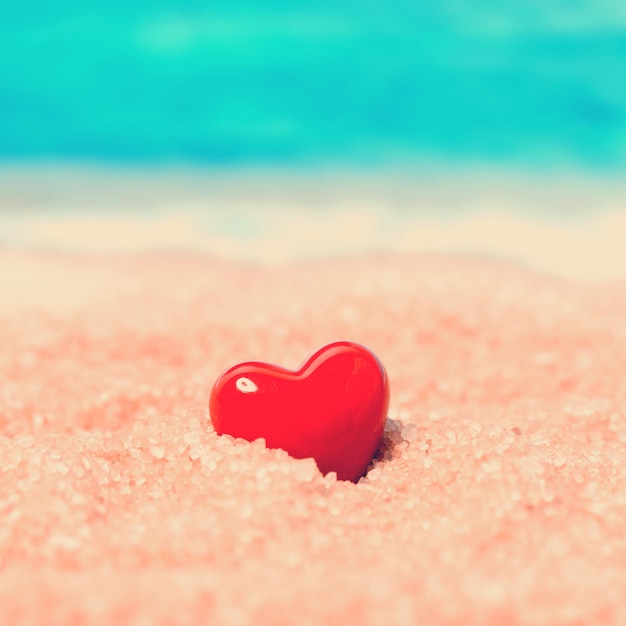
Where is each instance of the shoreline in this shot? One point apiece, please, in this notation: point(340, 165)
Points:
point(422, 188)
point(567, 227)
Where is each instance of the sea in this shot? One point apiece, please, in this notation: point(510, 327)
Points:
point(236, 111)
point(540, 83)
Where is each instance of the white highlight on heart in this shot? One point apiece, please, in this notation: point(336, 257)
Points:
point(245, 385)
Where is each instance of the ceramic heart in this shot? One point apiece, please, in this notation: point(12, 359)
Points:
point(332, 408)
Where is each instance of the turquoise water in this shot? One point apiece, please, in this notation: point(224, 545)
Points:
point(539, 84)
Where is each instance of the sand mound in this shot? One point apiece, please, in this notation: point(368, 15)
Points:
point(497, 497)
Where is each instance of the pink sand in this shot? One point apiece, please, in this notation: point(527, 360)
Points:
point(499, 497)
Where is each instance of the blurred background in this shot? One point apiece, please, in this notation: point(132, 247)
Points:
point(270, 131)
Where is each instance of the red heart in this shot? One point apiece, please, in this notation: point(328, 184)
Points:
point(332, 408)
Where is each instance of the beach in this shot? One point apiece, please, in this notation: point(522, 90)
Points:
point(185, 187)
point(495, 498)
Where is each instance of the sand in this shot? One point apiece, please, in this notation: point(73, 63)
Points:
point(497, 498)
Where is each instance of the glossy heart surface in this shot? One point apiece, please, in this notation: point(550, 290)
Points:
point(332, 408)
